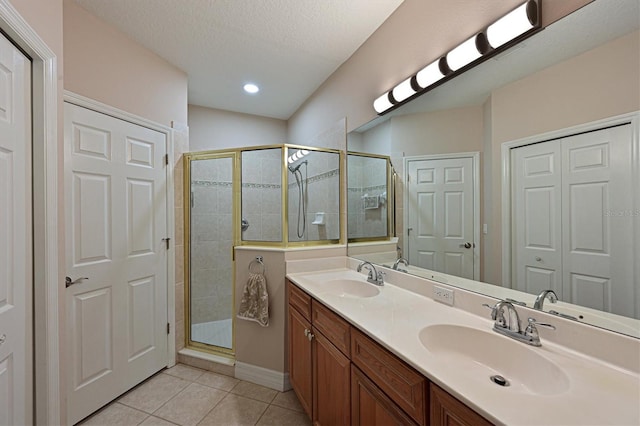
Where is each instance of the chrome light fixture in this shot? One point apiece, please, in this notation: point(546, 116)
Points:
point(513, 27)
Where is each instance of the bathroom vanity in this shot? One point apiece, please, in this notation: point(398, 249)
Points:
point(364, 355)
point(341, 376)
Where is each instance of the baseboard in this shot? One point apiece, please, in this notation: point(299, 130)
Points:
point(263, 376)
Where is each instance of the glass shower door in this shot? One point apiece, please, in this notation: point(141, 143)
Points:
point(210, 214)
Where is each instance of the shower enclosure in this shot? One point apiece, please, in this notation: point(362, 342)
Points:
point(272, 196)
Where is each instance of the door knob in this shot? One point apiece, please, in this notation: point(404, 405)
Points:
point(69, 282)
point(3, 338)
point(466, 245)
point(538, 259)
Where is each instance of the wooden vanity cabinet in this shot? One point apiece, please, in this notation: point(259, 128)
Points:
point(447, 410)
point(343, 377)
point(300, 359)
point(319, 365)
point(370, 406)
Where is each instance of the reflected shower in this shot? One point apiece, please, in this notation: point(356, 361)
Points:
point(302, 197)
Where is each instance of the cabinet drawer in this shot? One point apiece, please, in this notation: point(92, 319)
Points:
point(332, 326)
point(299, 300)
point(401, 383)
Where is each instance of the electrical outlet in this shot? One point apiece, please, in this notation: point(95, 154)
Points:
point(443, 295)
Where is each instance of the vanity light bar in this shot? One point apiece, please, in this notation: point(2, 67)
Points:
point(515, 25)
point(297, 155)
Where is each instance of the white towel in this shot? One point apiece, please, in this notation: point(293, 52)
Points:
point(255, 300)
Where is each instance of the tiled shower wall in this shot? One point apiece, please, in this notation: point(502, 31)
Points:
point(211, 287)
point(262, 194)
point(180, 146)
point(322, 176)
point(367, 176)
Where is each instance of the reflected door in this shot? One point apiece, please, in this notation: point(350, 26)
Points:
point(211, 238)
point(115, 222)
point(440, 215)
point(574, 217)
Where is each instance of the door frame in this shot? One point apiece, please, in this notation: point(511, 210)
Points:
point(93, 105)
point(632, 118)
point(475, 159)
point(47, 292)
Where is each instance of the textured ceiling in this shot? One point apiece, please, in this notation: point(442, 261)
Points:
point(287, 47)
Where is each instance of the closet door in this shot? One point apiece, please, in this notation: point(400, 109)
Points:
point(598, 220)
point(536, 213)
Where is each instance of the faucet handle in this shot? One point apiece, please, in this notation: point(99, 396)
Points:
point(493, 310)
point(533, 322)
point(497, 316)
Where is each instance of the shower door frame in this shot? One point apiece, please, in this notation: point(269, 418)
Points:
point(188, 158)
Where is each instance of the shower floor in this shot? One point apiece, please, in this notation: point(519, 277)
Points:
point(217, 333)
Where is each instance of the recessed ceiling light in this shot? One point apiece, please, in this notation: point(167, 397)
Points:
point(251, 88)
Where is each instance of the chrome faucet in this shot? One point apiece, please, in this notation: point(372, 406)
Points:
point(545, 294)
point(509, 325)
point(374, 277)
point(398, 262)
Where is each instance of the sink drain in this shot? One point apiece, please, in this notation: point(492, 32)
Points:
point(499, 380)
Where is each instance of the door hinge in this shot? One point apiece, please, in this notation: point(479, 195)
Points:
point(166, 241)
point(166, 159)
point(168, 328)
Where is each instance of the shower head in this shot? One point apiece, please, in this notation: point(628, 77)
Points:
point(293, 169)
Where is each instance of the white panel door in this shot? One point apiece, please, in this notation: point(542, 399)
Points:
point(598, 220)
point(441, 215)
point(536, 212)
point(116, 219)
point(16, 326)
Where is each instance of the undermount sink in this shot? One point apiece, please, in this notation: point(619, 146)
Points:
point(484, 354)
point(353, 288)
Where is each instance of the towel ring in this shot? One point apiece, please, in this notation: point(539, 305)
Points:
point(257, 261)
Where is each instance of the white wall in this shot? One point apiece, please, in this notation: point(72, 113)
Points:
point(213, 129)
point(415, 34)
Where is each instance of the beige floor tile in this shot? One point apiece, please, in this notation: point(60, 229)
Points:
point(156, 421)
point(235, 410)
point(184, 372)
point(278, 416)
point(288, 400)
point(191, 405)
point(218, 381)
point(150, 395)
point(116, 414)
point(253, 391)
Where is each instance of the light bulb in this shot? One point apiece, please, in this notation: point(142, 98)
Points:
point(382, 103)
point(509, 27)
point(403, 90)
point(464, 54)
point(429, 75)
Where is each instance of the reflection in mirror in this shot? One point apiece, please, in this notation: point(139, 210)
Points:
point(313, 192)
point(369, 196)
point(557, 212)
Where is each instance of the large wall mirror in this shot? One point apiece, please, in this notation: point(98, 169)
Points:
point(522, 174)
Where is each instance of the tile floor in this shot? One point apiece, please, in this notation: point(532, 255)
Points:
point(184, 395)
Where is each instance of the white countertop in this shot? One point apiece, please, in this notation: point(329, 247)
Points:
point(598, 393)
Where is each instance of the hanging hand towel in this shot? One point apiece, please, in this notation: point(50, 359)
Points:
point(255, 300)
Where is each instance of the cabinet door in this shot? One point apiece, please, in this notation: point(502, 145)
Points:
point(448, 411)
point(300, 373)
point(370, 406)
point(332, 379)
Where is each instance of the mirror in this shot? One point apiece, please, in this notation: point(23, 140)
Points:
point(369, 196)
point(474, 132)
